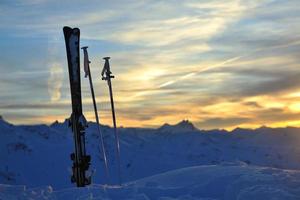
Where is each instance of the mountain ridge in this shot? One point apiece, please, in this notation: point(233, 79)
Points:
point(183, 125)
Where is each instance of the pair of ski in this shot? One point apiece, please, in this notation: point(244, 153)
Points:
point(81, 161)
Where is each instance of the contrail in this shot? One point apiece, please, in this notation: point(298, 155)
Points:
point(187, 76)
point(199, 71)
point(230, 60)
point(226, 62)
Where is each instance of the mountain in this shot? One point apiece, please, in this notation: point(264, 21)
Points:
point(39, 155)
point(183, 126)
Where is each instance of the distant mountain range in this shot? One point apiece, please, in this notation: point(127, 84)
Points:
point(37, 155)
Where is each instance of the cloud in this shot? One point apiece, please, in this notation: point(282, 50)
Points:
point(169, 30)
point(219, 122)
point(217, 63)
point(35, 106)
point(55, 81)
point(252, 104)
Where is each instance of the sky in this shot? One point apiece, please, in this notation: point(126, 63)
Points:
point(219, 64)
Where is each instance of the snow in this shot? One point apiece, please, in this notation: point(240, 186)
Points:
point(171, 162)
point(201, 182)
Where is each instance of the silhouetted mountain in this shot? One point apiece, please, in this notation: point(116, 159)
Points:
point(183, 126)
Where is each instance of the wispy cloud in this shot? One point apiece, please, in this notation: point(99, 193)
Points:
point(219, 63)
point(55, 81)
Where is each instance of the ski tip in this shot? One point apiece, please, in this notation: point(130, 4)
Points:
point(106, 58)
point(69, 29)
point(85, 47)
point(76, 30)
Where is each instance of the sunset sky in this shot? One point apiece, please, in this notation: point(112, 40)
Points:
point(220, 64)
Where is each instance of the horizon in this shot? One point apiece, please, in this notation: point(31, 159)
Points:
point(158, 126)
point(221, 65)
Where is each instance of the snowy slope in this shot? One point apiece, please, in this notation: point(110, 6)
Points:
point(202, 182)
point(39, 155)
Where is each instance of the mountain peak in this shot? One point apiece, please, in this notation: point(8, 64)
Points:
point(184, 125)
point(4, 123)
point(3, 120)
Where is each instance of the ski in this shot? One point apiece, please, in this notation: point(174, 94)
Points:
point(81, 161)
point(87, 71)
point(107, 76)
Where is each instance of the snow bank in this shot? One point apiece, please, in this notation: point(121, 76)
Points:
point(219, 182)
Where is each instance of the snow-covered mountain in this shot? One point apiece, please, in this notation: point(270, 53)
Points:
point(207, 182)
point(156, 161)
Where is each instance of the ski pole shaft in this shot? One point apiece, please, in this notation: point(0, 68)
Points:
point(106, 75)
point(98, 127)
point(96, 115)
point(115, 130)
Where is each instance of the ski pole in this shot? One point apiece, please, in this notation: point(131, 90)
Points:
point(88, 74)
point(107, 75)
